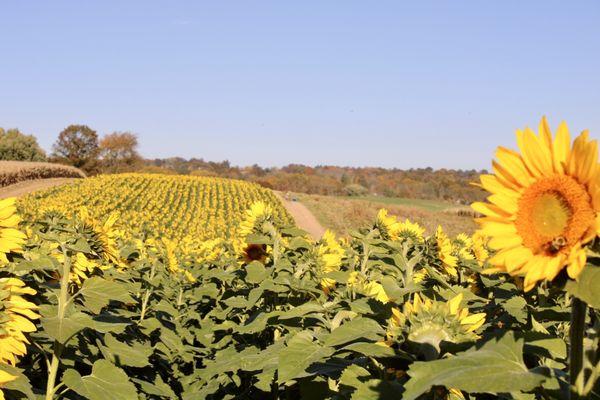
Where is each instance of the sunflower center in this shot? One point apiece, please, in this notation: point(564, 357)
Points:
point(550, 214)
point(553, 214)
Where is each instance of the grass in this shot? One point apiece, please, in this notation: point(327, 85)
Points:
point(343, 215)
point(428, 205)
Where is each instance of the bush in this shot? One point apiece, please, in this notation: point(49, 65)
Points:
point(16, 146)
point(355, 190)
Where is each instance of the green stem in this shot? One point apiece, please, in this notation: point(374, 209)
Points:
point(58, 348)
point(147, 295)
point(576, 334)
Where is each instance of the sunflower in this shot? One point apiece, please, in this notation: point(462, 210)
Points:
point(369, 288)
point(81, 269)
point(15, 316)
point(411, 230)
point(464, 245)
point(11, 239)
point(430, 321)
point(329, 254)
point(172, 261)
point(248, 252)
point(103, 236)
point(256, 215)
point(387, 225)
point(446, 252)
point(479, 248)
point(543, 206)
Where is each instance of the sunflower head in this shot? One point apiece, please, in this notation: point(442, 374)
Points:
point(411, 230)
point(101, 236)
point(329, 255)
point(445, 252)
point(387, 225)
point(480, 249)
point(543, 205)
point(254, 218)
point(11, 239)
point(430, 322)
point(16, 314)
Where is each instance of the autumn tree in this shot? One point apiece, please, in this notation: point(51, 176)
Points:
point(77, 145)
point(17, 146)
point(118, 151)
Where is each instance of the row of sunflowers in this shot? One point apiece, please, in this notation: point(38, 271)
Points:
point(510, 312)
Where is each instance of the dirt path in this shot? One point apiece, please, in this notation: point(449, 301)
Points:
point(22, 188)
point(303, 217)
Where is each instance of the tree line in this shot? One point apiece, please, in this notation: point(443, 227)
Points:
point(80, 146)
point(76, 145)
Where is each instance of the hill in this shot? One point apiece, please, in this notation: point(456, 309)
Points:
point(174, 207)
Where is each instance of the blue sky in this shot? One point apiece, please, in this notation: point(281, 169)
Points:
point(386, 83)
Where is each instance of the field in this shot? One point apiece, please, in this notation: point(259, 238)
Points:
point(135, 286)
point(345, 214)
point(175, 207)
point(12, 172)
point(420, 204)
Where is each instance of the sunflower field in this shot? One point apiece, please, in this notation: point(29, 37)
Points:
point(176, 207)
point(92, 309)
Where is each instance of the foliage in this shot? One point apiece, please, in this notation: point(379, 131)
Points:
point(118, 151)
point(419, 183)
point(12, 172)
point(17, 146)
point(77, 145)
point(318, 320)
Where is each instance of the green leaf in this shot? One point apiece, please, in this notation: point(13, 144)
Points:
point(358, 328)
point(98, 292)
point(517, 308)
point(134, 355)
point(63, 329)
point(371, 349)
point(587, 286)
point(158, 388)
point(300, 311)
point(255, 272)
point(300, 353)
point(358, 381)
point(496, 367)
point(106, 382)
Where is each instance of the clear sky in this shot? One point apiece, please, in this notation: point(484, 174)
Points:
point(379, 83)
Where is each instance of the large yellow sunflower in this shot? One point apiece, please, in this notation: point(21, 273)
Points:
point(11, 239)
point(543, 206)
point(15, 316)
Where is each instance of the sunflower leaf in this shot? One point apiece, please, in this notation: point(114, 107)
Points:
point(587, 286)
point(496, 367)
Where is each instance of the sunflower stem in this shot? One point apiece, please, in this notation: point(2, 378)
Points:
point(58, 347)
point(576, 334)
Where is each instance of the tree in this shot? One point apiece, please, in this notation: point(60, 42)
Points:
point(119, 152)
point(17, 146)
point(77, 145)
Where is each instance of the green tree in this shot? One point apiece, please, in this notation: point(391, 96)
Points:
point(18, 146)
point(77, 145)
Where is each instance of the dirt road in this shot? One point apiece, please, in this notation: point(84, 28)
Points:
point(303, 217)
point(22, 188)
